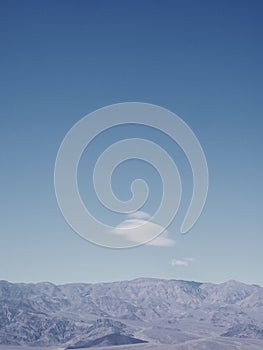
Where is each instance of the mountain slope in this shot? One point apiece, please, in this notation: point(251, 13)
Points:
point(153, 310)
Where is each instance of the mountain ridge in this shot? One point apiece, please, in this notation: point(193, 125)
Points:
point(156, 311)
point(134, 280)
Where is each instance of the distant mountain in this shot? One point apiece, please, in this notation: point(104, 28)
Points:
point(155, 311)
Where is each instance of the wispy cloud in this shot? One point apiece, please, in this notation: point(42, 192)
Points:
point(182, 262)
point(175, 262)
point(138, 229)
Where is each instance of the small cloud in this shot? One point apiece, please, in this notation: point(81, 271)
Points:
point(138, 229)
point(176, 262)
point(189, 259)
point(183, 262)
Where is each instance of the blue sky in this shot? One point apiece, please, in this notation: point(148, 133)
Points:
point(61, 60)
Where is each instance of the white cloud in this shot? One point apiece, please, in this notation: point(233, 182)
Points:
point(183, 262)
point(175, 262)
point(189, 259)
point(132, 229)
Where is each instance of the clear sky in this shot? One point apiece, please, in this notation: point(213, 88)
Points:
point(61, 60)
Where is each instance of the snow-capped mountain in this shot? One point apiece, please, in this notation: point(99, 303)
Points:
point(151, 311)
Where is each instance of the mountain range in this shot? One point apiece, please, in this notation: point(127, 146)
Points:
point(143, 313)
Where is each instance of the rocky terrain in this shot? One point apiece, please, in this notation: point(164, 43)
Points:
point(140, 314)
